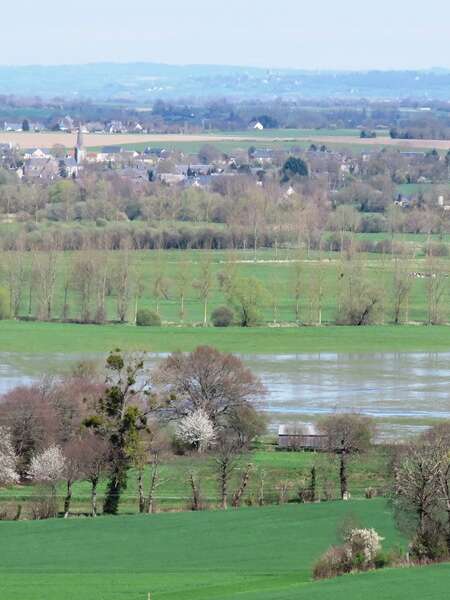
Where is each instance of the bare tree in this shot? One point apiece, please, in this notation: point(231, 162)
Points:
point(436, 286)
point(316, 292)
point(346, 435)
point(123, 277)
point(401, 292)
point(203, 284)
point(160, 284)
point(207, 380)
point(73, 452)
point(182, 281)
point(227, 456)
point(94, 464)
point(360, 301)
point(84, 281)
point(297, 285)
point(245, 478)
point(16, 278)
point(45, 266)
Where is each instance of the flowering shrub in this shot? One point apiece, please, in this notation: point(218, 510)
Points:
point(8, 459)
point(359, 553)
point(364, 545)
point(48, 467)
point(196, 430)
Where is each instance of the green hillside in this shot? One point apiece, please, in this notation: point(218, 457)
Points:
point(249, 553)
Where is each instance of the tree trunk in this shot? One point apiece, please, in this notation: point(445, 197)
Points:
point(312, 487)
point(343, 474)
point(224, 484)
point(195, 487)
point(68, 498)
point(94, 483)
point(116, 485)
point(141, 493)
point(182, 308)
point(237, 497)
point(205, 312)
point(153, 486)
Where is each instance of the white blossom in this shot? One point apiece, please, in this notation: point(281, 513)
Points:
point(48, 467)
point(8, 459)
point(196, 429)
point(364, 542)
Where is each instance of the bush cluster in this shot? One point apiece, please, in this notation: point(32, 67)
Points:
point(360, 551)
point(147, 318)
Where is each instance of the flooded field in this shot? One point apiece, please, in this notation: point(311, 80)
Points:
point(405, 391)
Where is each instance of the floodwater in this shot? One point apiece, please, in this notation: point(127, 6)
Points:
point(406, 390)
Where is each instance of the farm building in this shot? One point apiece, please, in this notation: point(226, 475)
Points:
point(301, 436)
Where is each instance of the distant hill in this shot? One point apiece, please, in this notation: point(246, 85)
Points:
point(146, 81)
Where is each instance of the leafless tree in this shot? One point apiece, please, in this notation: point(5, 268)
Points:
point(401, 292)
point(203, 284)
point(94, 464)
point(346, 435)
point(45, 265)
point(206, 379)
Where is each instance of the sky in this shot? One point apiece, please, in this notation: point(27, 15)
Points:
point(311, 34)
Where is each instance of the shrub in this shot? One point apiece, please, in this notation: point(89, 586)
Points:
point(360, 552)
point(45, 507)
point(4, 304)
point(147, 318)
point(222, 316)
point(336, 561)
point(436, 249)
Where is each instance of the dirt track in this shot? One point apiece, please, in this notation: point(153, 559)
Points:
point(47, 140)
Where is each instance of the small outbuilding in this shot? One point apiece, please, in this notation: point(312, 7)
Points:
point(301, 436)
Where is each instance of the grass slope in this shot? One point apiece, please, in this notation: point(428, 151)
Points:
point(33, 337)
point(254, 553)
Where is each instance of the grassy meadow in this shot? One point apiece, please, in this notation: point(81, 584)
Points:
point(275, 271)
point(273, 466)
point(251, 553)
point(38, 337)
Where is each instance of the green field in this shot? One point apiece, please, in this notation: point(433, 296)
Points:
point(36, 337)
point(175, 493)
point(250, 553)
point(253, 554)
point(275, 271)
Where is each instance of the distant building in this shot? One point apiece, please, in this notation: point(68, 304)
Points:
point(301, 436)
point(256, 125)
point(12, 126)
point(41, 168)
point(80, 151)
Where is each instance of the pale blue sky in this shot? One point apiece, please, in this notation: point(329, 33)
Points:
point(337, 34)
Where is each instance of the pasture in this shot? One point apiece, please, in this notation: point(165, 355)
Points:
point(253, 553)
point(38, 337)
point(277, 273)
point(274, 467)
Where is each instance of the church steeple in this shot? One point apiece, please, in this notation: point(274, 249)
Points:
point(80, 152)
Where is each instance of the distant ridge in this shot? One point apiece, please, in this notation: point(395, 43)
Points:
point(147, 81)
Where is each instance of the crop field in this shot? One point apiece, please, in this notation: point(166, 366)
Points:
point(251, 553)
point(288, 136)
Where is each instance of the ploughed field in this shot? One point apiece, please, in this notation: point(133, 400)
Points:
point(258, 553)
point(268, 137)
